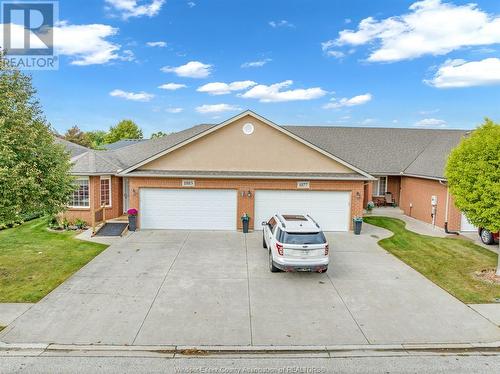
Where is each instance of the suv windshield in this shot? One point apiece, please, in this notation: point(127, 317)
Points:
point(301, 237)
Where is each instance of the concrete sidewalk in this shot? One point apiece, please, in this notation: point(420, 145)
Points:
point(10, 311)
point(171, 351)
point(412, 224)
point(425, 228)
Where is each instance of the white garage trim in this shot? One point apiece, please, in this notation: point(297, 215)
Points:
point(465, 225)
point(331, 209)
point(193, 209)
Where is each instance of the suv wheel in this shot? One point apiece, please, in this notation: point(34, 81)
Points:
point(486, 237)
point(264, 245)
point(272, 268)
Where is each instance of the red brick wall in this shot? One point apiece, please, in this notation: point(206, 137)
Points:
point(418, 191)
point(246, 204)
point(454, 216)
point(114, 211)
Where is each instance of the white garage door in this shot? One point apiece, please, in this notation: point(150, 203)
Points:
point(331, 209)
point(188, 209)
point(465, 225)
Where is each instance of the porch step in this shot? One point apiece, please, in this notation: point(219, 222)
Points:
point(112, 229)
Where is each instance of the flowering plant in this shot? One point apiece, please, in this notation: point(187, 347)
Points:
point(370, 206)
point(132, 212)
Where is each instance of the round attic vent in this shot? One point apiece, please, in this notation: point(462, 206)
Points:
point(248, 128)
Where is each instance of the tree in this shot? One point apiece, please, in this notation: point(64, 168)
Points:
point(97, 138)
point(159, 134)
point(75, 135)
point(34, 170)
point(473, 173)
point(125, 129)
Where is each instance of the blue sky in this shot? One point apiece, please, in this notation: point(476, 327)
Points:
point(412, 64)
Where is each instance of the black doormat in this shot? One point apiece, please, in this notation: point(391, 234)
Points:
point(112, 229)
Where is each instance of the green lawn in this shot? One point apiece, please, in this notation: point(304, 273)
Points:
point(448, 262)
point(34, 261)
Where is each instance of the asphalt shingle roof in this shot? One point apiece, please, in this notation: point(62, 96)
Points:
point(122, 143)
point(73, 148)
point(376, 151)
point(383, 150)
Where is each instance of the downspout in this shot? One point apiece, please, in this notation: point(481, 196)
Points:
point(446, 212)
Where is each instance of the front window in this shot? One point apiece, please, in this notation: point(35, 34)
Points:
point(105, 191)
point(80, 197)
point(380, 186)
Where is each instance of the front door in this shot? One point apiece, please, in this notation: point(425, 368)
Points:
point(125, 195)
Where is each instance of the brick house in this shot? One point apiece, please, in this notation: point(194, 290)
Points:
point(208, 176)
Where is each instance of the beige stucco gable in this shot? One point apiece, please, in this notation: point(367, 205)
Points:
point(230, 149)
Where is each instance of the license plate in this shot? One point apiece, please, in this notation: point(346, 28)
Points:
point(305, 253)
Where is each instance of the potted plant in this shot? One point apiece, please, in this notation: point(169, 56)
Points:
point(245, 219)
point(370, 206)
point(132, 219)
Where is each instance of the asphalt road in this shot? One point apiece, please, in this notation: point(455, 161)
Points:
point(405, 364)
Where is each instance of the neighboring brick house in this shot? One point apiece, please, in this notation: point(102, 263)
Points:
point(207, 176)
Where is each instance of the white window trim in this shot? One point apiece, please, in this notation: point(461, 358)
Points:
point(90, 194)
point(110, 192)
point(377, 185)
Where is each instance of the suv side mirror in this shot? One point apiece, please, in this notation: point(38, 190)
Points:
point(264, 223)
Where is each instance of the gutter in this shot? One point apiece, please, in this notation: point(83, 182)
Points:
point(281, 177)
point(444, 183)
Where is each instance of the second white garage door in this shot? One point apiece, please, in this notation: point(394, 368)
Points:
point(331, 209)
point(188, 209)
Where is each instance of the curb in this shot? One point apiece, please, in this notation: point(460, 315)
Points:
point(172, 351)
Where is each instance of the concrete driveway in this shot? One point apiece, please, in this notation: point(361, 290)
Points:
point(214, 288)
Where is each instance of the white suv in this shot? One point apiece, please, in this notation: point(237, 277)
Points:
point(295, 243)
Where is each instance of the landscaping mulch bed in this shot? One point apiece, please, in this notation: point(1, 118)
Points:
point(488, 275)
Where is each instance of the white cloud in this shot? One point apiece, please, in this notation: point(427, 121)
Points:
point(88, 44)
point(367, 121)
point(274, 93)
point(85, 44)
point(133, 96)
point(431, 122)
point(159, 44)
point(191, 4)
point(216, 108)
point(430, 27)
point(193, 69)
point(220, 88)
point(427, 112)
point(335, 54)
point(172, 86)
point(281, 23)
point(256, 64)
point(347, 102)
point(136, 8)
point(174, 110)
point(460, 73)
